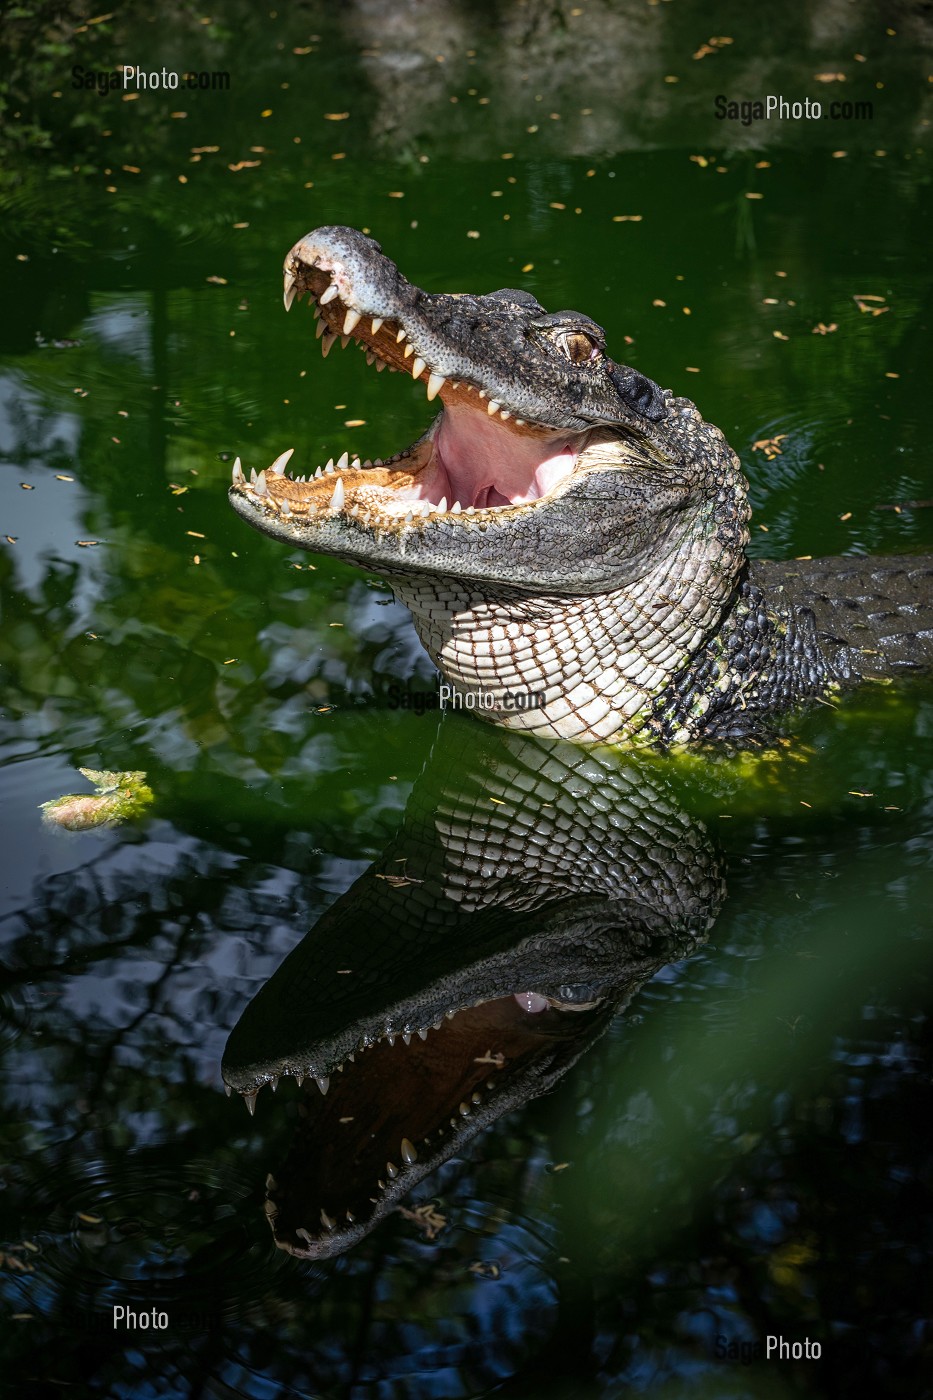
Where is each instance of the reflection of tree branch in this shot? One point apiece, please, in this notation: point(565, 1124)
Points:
point(109, 1047)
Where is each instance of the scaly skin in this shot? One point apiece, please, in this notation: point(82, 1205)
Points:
point(567, 531)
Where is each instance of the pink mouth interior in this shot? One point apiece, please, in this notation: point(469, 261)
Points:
point(480, 463)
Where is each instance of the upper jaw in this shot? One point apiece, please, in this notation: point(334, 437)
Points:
point(357, 292)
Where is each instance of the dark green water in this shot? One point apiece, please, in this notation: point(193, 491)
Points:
point(748, 1147)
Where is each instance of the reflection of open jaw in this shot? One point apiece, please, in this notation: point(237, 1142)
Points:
point(545, 886)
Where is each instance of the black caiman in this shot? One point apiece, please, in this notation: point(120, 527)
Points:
point(569, 537)
point(532, 888)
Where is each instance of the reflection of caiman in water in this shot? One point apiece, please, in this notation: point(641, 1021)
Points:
point(530, 891)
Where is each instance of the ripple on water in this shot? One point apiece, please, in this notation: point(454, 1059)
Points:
point(146, 1231)
point(149, 1233)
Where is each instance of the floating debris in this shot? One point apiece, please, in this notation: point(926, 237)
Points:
point(427, 1218)
point(119, 797)
point(771, 447)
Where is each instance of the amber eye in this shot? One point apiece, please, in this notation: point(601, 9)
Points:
point(578, 347)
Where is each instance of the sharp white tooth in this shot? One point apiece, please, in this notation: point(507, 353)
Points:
point(330, 465)
point(228, 1089)
point(315, 308)
point(378, 462)
point(406, 1036)
point(319, 329)
point(354, 511)
point(441, 506)
point(250, 1101)
point(351, 1217)
point(238, 476)
point(327, 341)
point(322, 1082)
point(351, 320)
point(470, 510)
point(299, 1077)
point(344, 342)
point(409, 1154)
point(455, 384)
point(370, 357)
point(380, 366)
point(329, 294)
point(377, 323)
point(281, 462)
point(270, 1208)
point(504, 414)
point(391, 1040)
point(455, 508)
point(343, 462)
point(408, 518)
point(422, 1035)
point(401, 335)
point(436, 383)
point(519, 422)
point(336, 500)
point(482, 393)
point(492, 407)
point(426, 507)
point(302, 1234)
point(464, 1110)
point(391, 1170)
point(409, 350)
point(285, 509)
point(326, 1220)
point(417, 367)
point(289, 293)
point(252, 476)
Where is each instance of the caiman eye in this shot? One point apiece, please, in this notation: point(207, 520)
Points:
point(578, 347)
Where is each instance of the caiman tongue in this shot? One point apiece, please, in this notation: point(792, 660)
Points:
point(398, 1105)
point(479, 464)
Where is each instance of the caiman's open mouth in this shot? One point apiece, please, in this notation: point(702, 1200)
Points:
point(479, 457)
point(403, 1103)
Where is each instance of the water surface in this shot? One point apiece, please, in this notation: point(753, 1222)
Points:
point(746, 1150)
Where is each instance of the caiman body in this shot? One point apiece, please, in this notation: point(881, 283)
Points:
point(570, 538)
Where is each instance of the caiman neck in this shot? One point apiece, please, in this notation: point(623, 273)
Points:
point(590, 668)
